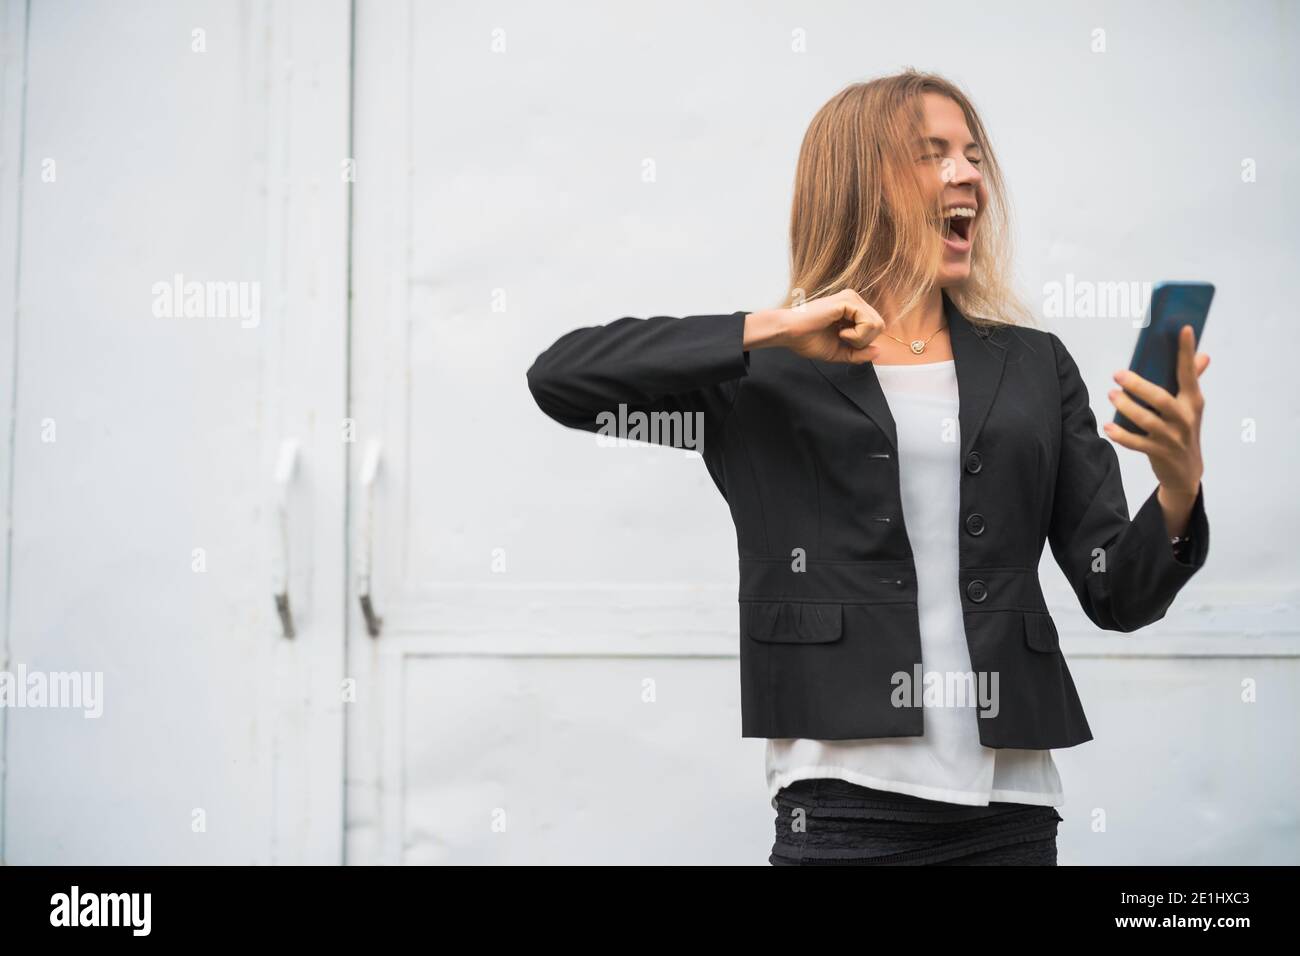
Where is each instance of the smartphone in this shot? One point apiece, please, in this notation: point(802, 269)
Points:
point(1155, 358)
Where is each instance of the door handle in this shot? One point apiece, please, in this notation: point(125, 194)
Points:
point(365, 538)
point(285, 466)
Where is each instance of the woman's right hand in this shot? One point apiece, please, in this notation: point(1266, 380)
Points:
point(835, 328)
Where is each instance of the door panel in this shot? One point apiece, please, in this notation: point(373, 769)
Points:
point(496, 533)
point(146, 437)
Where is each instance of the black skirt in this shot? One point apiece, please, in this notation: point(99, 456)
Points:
point(828, 821)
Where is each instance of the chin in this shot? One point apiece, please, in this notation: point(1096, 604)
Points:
point(953, 273)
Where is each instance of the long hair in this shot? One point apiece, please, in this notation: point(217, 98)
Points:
point(860, 219)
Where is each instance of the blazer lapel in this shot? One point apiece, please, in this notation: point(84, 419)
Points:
point(977, 356)
point(861, 386)
point(979, 359)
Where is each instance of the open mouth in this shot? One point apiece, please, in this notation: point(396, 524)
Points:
point(957, 226)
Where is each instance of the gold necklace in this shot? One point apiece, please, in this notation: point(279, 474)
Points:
point(918, 345)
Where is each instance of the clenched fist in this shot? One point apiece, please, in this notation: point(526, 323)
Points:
point(834, 328)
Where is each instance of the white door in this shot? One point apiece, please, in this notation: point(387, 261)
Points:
point(142, 143)
point(556, 662)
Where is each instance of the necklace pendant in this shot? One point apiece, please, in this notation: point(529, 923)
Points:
point(918, 346)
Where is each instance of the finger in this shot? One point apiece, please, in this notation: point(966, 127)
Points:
point(855, 356)
point(1122, 436)
point(857, 336)
point(1143, 418)
point(867, 324)
point(1151, 393)
point(848, 341)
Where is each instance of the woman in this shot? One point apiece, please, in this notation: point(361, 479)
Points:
point(895, 447)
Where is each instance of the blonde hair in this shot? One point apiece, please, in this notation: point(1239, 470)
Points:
point(860, 220)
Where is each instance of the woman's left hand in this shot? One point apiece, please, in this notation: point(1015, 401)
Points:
point(1173, 439)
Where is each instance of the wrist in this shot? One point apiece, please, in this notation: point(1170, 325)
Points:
point(765, 329)
point(1178, 496)
point(1177, 507)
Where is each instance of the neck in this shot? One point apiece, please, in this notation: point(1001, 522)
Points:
point(926, 316)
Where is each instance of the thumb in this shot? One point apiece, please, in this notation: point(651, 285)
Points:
point(858, 337)
point(855, 353)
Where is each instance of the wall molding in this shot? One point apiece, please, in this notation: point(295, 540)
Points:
point(673, 620)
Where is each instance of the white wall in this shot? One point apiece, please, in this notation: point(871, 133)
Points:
point(516, 209)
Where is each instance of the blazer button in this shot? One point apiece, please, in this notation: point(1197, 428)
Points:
point(975, 523)
point(977, 591)
point(974, 463)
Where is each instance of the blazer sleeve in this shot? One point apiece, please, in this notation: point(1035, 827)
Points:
point(1124, 572)
point(690, 364)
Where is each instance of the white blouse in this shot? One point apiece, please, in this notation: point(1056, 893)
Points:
point(948, 763)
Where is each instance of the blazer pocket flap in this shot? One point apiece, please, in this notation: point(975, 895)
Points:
point(1040, 632)
point(785, 622)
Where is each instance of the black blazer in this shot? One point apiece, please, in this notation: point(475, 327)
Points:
point(805, 454)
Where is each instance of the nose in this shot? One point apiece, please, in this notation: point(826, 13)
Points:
point(962, 172)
